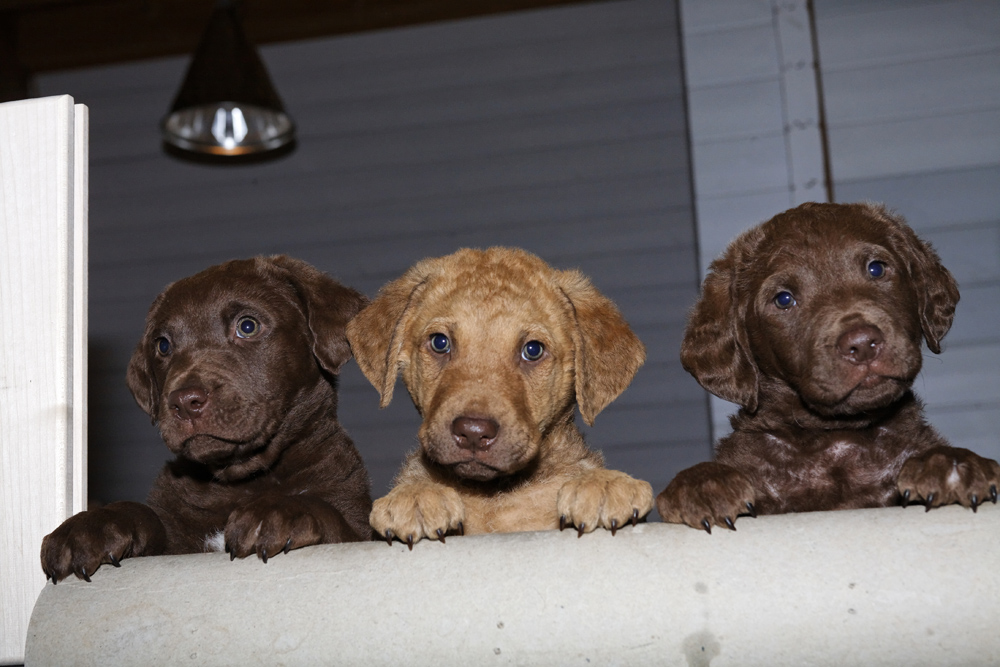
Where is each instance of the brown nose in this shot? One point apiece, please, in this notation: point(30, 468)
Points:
point(473, 433)
point(860, 344)
point(188, 403)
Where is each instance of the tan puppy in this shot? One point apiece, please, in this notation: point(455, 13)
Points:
point(496, 348)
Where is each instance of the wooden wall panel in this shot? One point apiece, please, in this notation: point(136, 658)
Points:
point(562, 131)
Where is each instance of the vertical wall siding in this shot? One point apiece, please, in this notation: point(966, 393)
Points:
point(562, 131)
point(913, 107)
point(754, 115)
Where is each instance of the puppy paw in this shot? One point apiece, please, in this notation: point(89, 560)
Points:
point(603, 498)
point(277, 524)
point(707, 494)
point(82, 543)
point(414, 511)
point(945, 475)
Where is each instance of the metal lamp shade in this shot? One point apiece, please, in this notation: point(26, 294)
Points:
point(227, 106)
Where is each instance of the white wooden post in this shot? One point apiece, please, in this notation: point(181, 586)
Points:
point(43, 343)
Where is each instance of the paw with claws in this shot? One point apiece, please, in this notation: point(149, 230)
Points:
point(946, 475)
point(271, 525)
point(417, 510)
point(707, 494)
point(109, 534)
point(603, 499)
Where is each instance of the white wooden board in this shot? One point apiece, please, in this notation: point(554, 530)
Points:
point(43, 316)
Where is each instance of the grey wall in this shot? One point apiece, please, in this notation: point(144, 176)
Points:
point(912, 94)
point(562, 131)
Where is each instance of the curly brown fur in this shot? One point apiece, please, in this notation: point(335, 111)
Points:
point(813, 323)
point(237, 366)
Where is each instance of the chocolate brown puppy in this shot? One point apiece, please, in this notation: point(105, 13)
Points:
point(497, 349)
point(813, 323)
point(237, 367)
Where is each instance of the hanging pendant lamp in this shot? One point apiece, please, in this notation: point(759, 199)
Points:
point(227, 107)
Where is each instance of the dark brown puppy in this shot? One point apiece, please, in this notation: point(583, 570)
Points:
point(237, 366)
point(813, 323)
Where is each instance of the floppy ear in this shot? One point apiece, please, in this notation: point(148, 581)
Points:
point(139, 375)
point(608, 353)
point(716, 349)
point(935, 287)
point(329, 306)
point(378, 332)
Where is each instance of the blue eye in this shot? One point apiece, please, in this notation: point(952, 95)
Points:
point(876, 269)
point(163, 346)
point(784, 300)
point(440, 343)
point(532, 350)
point(247, 327)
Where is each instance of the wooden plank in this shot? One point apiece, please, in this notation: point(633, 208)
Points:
point(903, 33)
point(731, 56)
point(42, 326)
point(880, 94)
point(60, 35)
point(744, 166)
point(735, 111)
point(699, 16)
point(956, 141)
point(973, 196)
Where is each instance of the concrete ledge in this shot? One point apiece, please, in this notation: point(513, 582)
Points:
point(868, 587)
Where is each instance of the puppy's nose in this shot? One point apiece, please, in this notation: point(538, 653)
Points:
point(473, 433)
point(188, 403)
point(860, 344)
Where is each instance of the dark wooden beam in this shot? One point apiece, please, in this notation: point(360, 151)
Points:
point(54, 35)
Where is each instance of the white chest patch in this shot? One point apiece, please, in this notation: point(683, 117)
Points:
point(215, 542)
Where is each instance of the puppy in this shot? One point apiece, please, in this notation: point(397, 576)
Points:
point(238, 368)
point(496, 348)
point(813, 322)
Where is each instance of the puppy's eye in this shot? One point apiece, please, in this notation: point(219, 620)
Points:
point(163, 346)
point(532, 350)
point(876, 269)
point(440, 343)
point(784, 300)
point(247, 327)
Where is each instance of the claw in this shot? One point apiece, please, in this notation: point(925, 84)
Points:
point(635, 516)
point(388, 537)
point(751, 510)
point(614, 527)
point(288, 546)
point(579, 530)
point(461, 528)
point(86, 577)
point(440, 534)
point(906, 497)
point(707, 526)
point(263, 555)
point(232, 555)
point(993, 493)
point(930, 502)
point(409, 542)
point(114, 561)
point(729, 524)
point(562, 522)
point(974, 502)
point(54, 581)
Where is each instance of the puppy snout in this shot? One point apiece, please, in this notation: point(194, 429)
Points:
point(188, 403)
point(474, 433)
point(860, 344)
